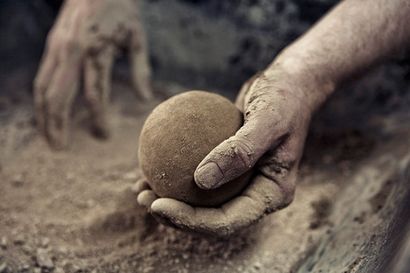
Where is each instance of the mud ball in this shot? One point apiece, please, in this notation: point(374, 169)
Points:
point(176, 137)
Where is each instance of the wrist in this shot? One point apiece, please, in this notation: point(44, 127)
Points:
point(308, 82)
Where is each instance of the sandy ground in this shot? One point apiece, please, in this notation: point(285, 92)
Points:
point(73, 211)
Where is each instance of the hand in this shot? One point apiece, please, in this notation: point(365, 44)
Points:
point(85, 39)
point(277, 106)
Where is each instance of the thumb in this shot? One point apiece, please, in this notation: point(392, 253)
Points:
point(239, 153)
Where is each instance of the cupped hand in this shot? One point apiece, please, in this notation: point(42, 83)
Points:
point(82, 45)
point(277, 108)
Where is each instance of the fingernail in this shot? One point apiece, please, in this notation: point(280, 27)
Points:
point(208, 176)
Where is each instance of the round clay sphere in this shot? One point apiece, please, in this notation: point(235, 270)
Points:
point(176, 137)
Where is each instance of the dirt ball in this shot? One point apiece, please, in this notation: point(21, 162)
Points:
point(175, 138)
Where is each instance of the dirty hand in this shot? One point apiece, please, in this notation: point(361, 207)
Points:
point(277, 107)
point(85, 40)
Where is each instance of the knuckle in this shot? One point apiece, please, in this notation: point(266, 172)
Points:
point(242, 149)
point(278, 166)
point(40, 82)
point(51, 98)
point(282, 166)
point(55, 103)
point(72, 46)
point(287, 199)
point(275, 172)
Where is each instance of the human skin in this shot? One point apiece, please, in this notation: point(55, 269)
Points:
point(83, 43)
point(278, 105)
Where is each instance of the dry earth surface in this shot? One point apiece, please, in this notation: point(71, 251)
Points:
point(73, 211)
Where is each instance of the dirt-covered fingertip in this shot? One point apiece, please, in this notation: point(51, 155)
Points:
point(146, 198)
point(139, 186)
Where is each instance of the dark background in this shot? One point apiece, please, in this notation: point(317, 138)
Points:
point(246, 35)
point(214, 45)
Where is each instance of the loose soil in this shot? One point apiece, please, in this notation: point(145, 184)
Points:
point(74, 211)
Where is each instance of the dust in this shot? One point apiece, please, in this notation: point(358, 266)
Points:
point(74, 211)
point(379, 199)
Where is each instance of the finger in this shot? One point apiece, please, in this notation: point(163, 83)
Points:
point(41, 82)
point(264, 128)
point(139, 60)
point(58, 99)
point(239, 213)
point(57, 81)
point(146, 198)
point(281, 164)
point(139, 186)
point(261, 195)
point(246, 87)
point(97, 85)
point(184, 216)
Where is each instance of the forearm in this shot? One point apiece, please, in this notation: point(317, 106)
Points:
point(353, 36)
